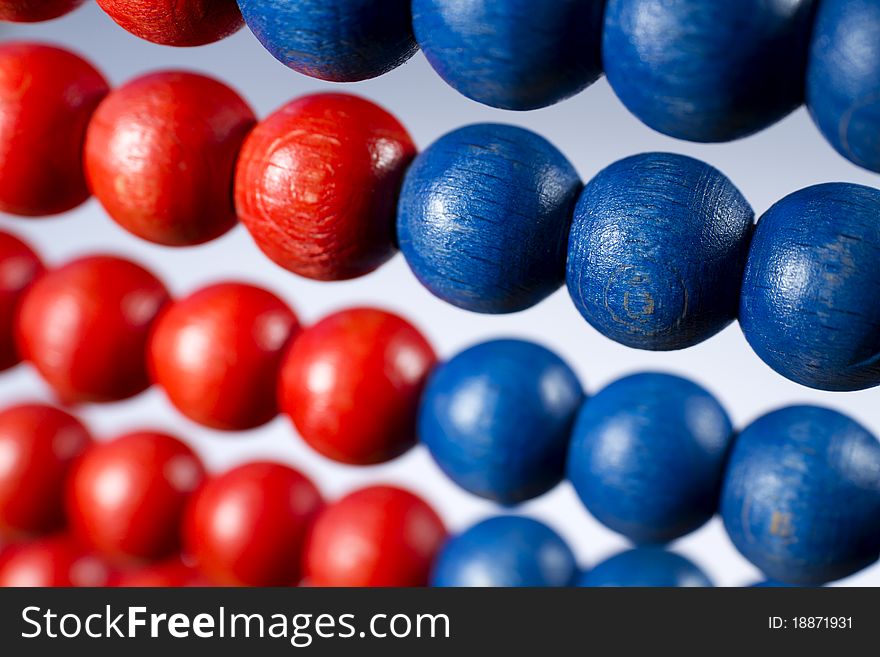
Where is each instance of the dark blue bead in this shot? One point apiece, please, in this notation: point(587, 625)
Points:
point(801, 497)
point(810, 297)
point(483, 217)
point(645, 567)
point(336, 40)
point(843, 79)
point(505, 551)
point(497, 419)
point(512, 54)
point(656, 251)
point(707, 70)
point(647, 456)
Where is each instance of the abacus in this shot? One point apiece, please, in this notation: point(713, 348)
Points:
point(658, 252)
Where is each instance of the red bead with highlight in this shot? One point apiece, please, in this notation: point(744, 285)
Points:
point(171, 573)
point(126, 497)
point(47, 96)
point(377, 536)
point(247, 526)
point(19, 266)
point(217, 354)
point(160, 155)
point(35, 11)
point(52, 562)
point(84, 326)
point(38, 445)
point(181, 23)
point(317, 185)
point(351, 385)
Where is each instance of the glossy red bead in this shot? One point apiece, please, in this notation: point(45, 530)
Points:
point(35, 11)
point(176, 22)
point(317, 185)
point(47, 96)
point(376, 536)
point(351, 385)
point(38, 445)
point(84, 326)
point(19, 266)
point(171, 573)
point(50, 562)
point(126, 497)
point(247, 526)
point(160, 155)
point(217, 353)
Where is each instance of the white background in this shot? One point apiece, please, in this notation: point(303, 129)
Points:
point(592, 129)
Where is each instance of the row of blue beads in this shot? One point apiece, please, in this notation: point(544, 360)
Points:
point(652, 456)
point(493, 218)
point(701, 70)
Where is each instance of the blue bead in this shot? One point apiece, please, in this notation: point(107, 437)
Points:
point(707, 70)
point(810, 297)
point(645, 567)
point(843, 78)
point(505, 551)
point(497, 419)
point(647, 456)
point(336, 40)
point(656, 251)
point(801, 498)
point(483, 217)
point(512, 54)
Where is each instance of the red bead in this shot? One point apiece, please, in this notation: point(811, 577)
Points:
point(351, 385)
point(217, 354)
point(176, 22)
point(47, 96)
point(54, 561)
point(38, 445)
point(377, 536)
point(126, 497)
point(35, 11)
point(171, 573)
point(19, 266)
point(85, 325)
point(317, 185)
point(160, 155)
point(247, 527)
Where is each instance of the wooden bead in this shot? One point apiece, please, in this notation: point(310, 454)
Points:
point(55, 561)
point(810, 308)
point(505, 551)
point(176, 22)
point(47, 96)
point(656, 251)
point(35, 11)
point(127, 496)
point(843, 78)
point(160, 156)
point(801, 498)
point(84, 327)
point(647, 456)
point(335, 40)
point(217, 354)
point(646, 567)
point(705, 70)
point(510, 54)
point(351, 385)
point(397, 535)
point(497, 419)
point(483, 217)
point(19, 266)
point(39, 444)
point(317, 182)
point(247, 527)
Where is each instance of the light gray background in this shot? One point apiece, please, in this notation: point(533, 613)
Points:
point(592, 129)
